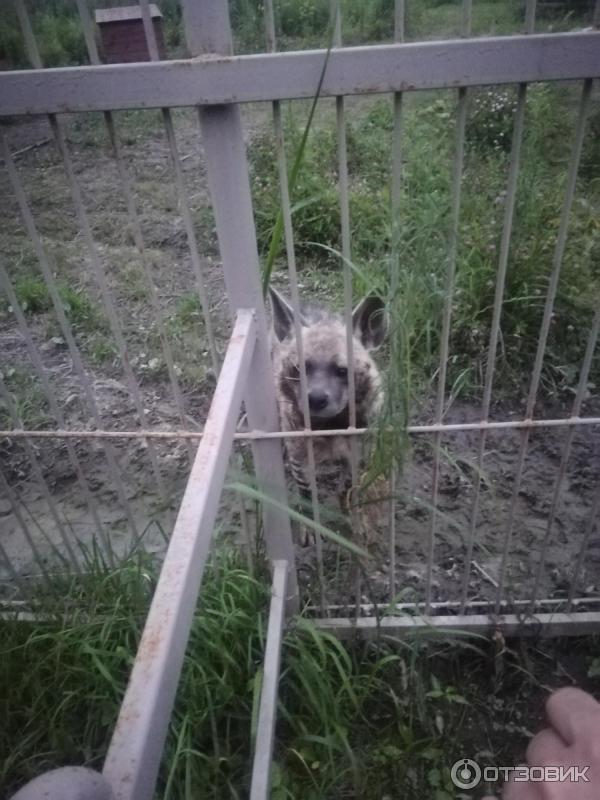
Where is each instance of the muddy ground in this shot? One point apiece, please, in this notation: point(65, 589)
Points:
point(152, 503)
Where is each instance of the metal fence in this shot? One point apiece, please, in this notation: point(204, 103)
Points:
point(215, 82)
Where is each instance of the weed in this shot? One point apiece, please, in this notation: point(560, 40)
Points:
point(28, 399)
point(100, 349)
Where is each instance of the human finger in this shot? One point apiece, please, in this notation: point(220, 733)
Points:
point(573, 713)
point(546, 748)
point(521, 791)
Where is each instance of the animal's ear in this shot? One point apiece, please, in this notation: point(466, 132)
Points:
point(370, 321)
point(283, 315)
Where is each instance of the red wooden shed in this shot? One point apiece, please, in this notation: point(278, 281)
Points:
point(122, 33)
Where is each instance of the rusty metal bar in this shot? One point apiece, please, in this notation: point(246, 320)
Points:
point(133, 757)
point(546, 320)
point(228, 79)
point(265, 732)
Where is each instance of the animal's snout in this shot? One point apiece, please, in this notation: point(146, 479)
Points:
point(317, 399)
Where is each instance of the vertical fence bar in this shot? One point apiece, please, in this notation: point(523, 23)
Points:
point(466, 17)
point(545, 326)
point(295, 301)
point(47, 271)
point(399, 13)
point(136, 229)
point(54, 407)
point(509, 208)
point(82, 217)
point(12, 499)
point(134, 221)
point(342, 152)
point(208, 29)
point(39, 475)
point(107, 299)
point(530, 7)
point(575, 411)
point(446, 321)
point(14, 575)
point(184, 201)
point(88, 31)
point(30, 43)
point(583, 549)
point(265, 732)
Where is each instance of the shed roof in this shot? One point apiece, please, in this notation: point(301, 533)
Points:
point(123, 13)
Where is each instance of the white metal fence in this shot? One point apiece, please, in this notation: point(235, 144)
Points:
point(215, 82)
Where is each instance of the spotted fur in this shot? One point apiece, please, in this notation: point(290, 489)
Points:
point(325, 355)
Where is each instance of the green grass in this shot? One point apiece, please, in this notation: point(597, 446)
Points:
point(28, 399)
point(34, 298)
point(428, 147)
point(367, 720)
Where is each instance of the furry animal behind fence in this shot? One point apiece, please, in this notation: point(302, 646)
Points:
point(324, 347)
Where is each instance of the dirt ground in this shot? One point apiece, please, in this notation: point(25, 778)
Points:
point(153, 506)
point(457, 488)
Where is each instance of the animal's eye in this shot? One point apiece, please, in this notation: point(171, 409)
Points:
point(341, 372)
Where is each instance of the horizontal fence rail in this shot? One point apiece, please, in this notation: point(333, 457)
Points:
point(214, 80)
point(450, 427)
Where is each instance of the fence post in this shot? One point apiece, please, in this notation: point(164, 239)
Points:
point(208, 30)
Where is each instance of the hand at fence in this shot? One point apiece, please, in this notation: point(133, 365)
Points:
point(572, 740)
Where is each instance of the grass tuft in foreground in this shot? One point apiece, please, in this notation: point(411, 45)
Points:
point(369, 720)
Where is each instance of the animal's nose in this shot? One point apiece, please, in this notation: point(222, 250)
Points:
point(317, 400)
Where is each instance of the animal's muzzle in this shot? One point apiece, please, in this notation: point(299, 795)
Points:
point(317, 400)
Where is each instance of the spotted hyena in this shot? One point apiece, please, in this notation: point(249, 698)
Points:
point(324, 345)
